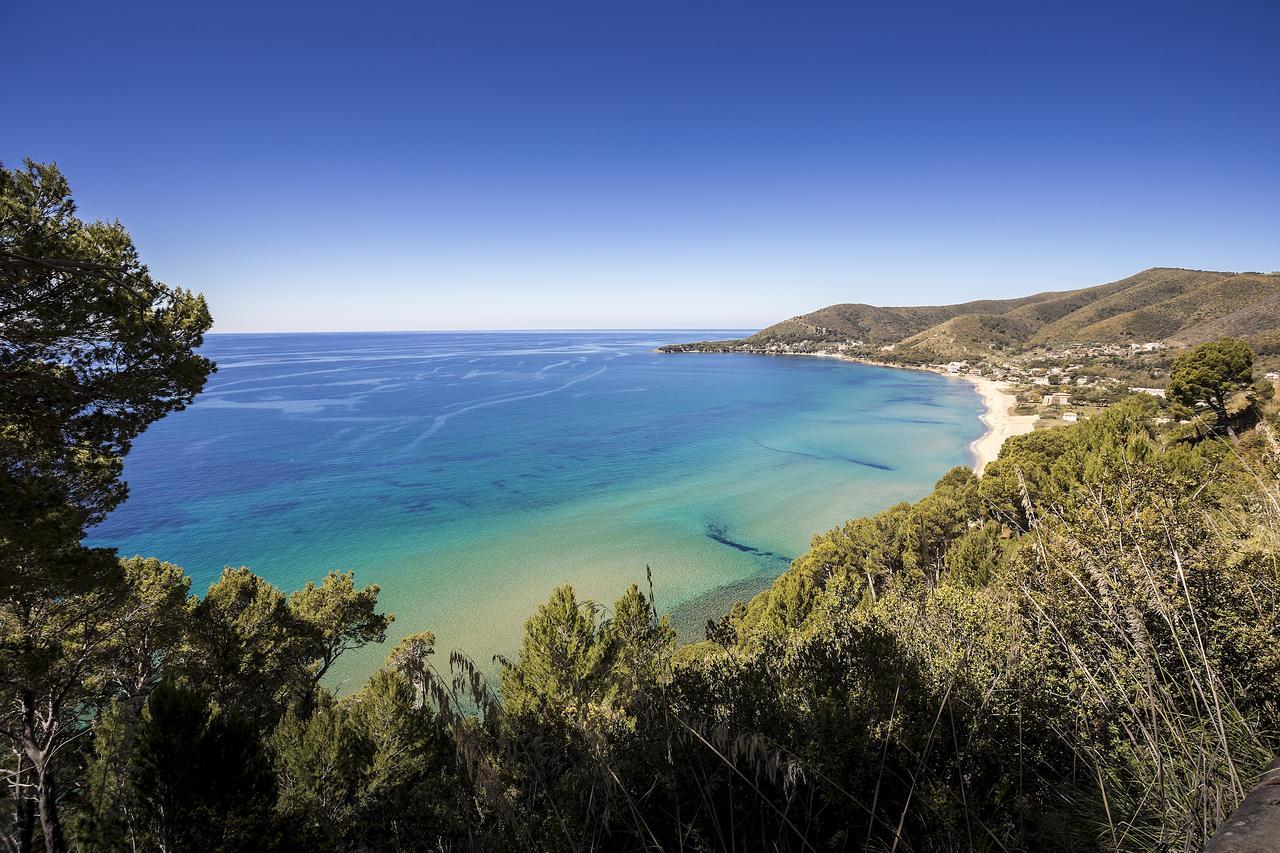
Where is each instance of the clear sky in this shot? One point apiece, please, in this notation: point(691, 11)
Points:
point(484, 164)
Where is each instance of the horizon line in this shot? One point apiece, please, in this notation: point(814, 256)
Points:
point(485, 331)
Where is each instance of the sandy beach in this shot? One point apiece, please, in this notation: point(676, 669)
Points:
point(999, 422)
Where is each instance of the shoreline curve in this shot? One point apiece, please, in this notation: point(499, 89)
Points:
point(1000, 423)
point(997, 401)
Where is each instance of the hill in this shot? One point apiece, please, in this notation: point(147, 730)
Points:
point(1176, 307)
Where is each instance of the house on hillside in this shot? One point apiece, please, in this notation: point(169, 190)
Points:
point(1070, 417)
point(1154, 392)
point(1059, 399)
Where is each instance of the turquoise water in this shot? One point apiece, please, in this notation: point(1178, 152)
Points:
point(469, 474)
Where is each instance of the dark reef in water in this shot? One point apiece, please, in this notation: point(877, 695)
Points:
point(716, 533)
point(879, 466)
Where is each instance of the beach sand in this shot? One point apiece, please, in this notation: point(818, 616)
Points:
point(1000, 423)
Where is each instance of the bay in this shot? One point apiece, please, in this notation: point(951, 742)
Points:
point(468, 474)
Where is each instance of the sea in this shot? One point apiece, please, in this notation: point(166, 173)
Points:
point(469, 474)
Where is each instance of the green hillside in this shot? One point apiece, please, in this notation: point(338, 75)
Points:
point(1177, 307)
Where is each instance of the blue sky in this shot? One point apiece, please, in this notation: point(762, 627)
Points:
point(430, 165)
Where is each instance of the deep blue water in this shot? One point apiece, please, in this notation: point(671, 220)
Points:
point(468, 474)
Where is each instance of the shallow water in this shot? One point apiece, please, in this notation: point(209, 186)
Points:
point(469, 474)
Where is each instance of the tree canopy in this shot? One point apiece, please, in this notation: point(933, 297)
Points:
point(1209, 374)
point(92, 351)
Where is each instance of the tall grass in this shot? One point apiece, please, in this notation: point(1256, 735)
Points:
point(1152, 652)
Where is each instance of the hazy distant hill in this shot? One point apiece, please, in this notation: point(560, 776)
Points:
point(1175, 306)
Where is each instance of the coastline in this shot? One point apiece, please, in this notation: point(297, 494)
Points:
point(997, 401)
point(1000, 423)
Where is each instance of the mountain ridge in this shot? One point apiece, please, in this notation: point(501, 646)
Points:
point(1170, 305)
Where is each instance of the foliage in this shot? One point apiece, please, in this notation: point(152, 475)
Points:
point(92, 351)
point(375, 771)
point(1209, 374)
point(199, 761)
point(199, 775)
point(246, 648)
point(338, 617)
